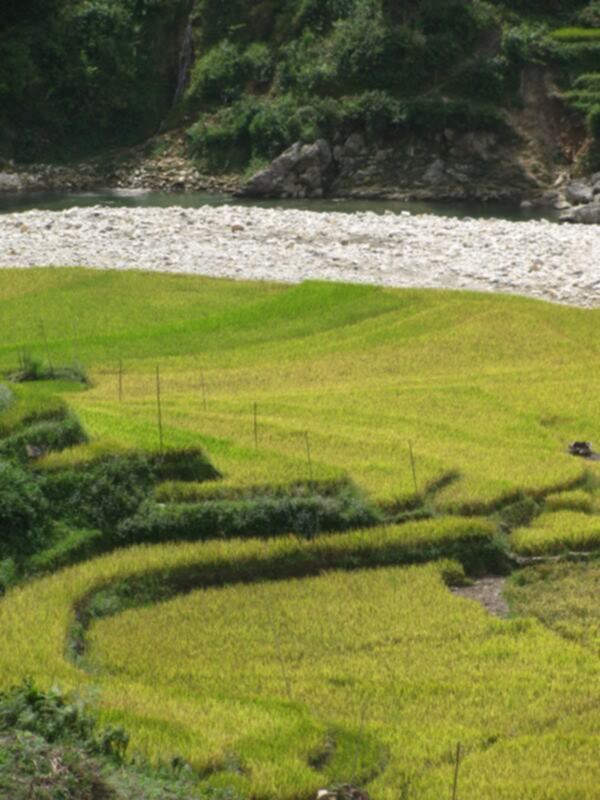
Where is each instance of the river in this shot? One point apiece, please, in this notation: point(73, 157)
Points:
point(59, 201)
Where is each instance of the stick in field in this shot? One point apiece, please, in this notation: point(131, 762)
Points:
point(255, 426)
point(159, 409)
point(203, 387)
point(413, 467)
point(456, 768)
point(308, 455)
point(45, 338)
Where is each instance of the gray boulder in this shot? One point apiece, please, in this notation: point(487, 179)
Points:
point(303, 170)
point(9, 182)
point(587, 215)
point(579, 192)
point(435, 173)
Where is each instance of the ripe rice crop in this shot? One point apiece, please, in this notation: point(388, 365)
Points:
point(558, 532)
point(573, 501)
point(564, 596)
point(490, 388)
point(273, 689)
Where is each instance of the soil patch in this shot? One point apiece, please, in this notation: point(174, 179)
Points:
point(488, 592)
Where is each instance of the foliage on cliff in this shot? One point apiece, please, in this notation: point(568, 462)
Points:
point(77, 76)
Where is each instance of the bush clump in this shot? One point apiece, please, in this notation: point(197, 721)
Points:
point(264, 517)
point(23, 511)
point(101, 494)
point(7, 398)
point(56, 717)
point(184, 464)
point(43, 436)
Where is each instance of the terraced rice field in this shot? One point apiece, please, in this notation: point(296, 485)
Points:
point(276, 667)
point(488, 388)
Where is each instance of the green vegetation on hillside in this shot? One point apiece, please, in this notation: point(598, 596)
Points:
point(75, 77)
point(78, 76)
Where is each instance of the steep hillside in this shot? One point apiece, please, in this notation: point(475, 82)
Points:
point(453, 99)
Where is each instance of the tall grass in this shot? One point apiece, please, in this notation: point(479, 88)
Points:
point(383, 667)
point(559, 532)
point(493, 388)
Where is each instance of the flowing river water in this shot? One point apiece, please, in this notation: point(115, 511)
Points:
point(59, 201)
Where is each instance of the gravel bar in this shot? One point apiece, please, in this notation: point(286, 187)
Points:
point(560, 263)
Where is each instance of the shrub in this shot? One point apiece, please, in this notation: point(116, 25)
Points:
point(217, 76)
point(589, 82)
point(186, 464)
point(101, 494)
point(258, 64)
point(525, 43)
point(265, 517)
point(56, 717)
point(223, 141)
point(30, 408)
point(8, 574)
point(594, 121)
point(590, 16)
point(6, 398)
point(484, 79)
point(23, 511)
point(44, 436)
point(70, 546)
point(519, 513)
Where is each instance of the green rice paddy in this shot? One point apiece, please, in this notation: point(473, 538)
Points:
point(294, 664)
point(488, 388)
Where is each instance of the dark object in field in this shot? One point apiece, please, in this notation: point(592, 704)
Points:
point(582, 449)
point(34, 451)
point(344, 792)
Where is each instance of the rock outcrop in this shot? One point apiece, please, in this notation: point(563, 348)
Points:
point(303, 170)
point(456, 166)
point(583, 195)
point(586, 215)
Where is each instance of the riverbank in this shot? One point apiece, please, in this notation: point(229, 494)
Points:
point(536, 259)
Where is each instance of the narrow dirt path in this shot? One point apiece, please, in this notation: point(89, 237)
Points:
point(488, 592)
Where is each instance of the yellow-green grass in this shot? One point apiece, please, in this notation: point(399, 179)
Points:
point(577, 500)
point(576, 34)
point(493, 387)
point(564, 596)
point(559, 532)
point(383, 669)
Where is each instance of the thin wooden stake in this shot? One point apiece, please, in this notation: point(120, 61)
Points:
point(413, 467)
point(75, 356)
point(456, 768)
point(255, 426)
point(45, 338)
point(203, 387)
point(308, 456)
point(120, 381)
point(279, 651)
point(361, 729)
point(159, 409)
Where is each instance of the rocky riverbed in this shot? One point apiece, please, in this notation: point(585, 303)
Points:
point(556, 262)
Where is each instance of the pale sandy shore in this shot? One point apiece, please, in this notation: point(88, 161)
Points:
point(560, 263)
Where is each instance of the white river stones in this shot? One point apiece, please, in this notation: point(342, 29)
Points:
point(560, 263)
